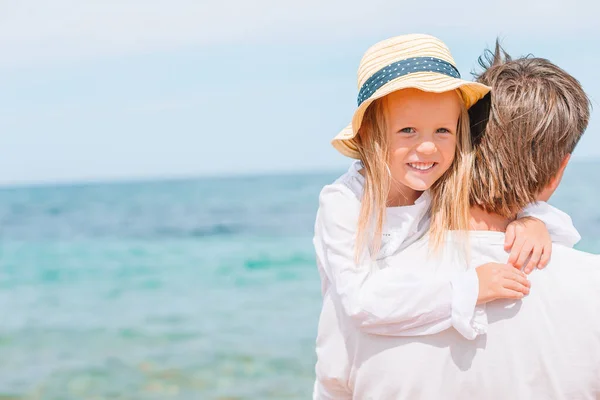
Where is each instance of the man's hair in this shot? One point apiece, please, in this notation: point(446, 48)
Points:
point(534, 117)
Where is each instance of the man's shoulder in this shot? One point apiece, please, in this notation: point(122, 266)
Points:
point(571, 274)
point(567, 256)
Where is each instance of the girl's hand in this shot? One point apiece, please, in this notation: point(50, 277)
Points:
point(501, 281)
point(528, 238)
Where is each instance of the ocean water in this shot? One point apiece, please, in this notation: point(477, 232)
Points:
point(195, 289)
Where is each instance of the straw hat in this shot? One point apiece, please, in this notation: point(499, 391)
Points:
point(409, 61)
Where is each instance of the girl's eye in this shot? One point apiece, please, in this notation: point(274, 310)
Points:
point(443, 130)
point(408, 130)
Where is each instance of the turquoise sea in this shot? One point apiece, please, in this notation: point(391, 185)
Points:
point(189, 289)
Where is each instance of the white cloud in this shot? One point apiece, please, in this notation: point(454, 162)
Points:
point(41, 31)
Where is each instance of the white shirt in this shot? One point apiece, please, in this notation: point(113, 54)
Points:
point(391, 301)
point(546, 346)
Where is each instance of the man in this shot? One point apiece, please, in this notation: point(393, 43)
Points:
point(546, 346)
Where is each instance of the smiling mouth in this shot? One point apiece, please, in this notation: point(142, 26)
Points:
point(422, 167)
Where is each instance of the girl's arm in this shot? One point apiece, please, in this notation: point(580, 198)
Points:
point(531, 236)
point(393, 301)
point(559, 224)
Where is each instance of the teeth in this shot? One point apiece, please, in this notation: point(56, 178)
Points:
point(421, 166)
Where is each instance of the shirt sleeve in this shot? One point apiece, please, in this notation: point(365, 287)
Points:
point(390, 301)
point(330, 390)
point(559, 224)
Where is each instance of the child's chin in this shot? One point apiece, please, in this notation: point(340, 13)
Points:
point(419, 185)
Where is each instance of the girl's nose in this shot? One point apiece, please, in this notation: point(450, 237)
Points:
point(427, 147)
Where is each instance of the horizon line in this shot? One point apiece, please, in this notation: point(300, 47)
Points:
point(75, 182)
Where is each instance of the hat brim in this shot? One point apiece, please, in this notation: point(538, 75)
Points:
point(471, 93)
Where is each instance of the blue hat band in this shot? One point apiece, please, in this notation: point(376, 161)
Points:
point(405, 67)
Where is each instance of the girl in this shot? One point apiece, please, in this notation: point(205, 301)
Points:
point(410, 133)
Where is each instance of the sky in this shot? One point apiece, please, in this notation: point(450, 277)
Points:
point(128, 89)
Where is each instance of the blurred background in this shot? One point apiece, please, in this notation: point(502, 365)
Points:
point(160, 166)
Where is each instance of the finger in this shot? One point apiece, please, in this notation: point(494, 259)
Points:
point(509, 270)
point(519, 277)
point(545, 258)
point(509, 238)
point(534, 260)
point(516, 286)
point(524, 255)
point(511, 294)
point(516, 250)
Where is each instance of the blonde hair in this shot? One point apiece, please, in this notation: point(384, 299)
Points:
point(373, 147)
point(450, 205)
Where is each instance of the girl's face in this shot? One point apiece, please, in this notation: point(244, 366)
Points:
point(422, 133)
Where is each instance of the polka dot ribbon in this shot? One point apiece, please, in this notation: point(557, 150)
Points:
point(405, 67)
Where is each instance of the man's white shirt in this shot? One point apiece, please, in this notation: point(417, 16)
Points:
point(546, 346)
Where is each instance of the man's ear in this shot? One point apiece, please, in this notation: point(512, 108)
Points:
point(554, 182)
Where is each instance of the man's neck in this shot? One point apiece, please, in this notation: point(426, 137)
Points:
point(481, 220)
